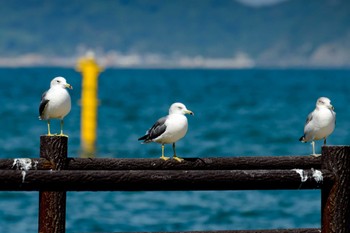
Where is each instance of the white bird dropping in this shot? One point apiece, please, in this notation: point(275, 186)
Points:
point(320, 123)
point(55, 103)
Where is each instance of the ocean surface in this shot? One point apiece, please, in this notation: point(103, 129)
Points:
point(237, 113)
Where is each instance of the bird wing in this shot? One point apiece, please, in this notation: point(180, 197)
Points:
point(309, 118)
point(155, 131)
point(43, 104)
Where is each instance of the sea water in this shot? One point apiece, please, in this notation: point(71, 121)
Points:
point(237, 113)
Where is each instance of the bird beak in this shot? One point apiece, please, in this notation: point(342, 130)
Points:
point(189, 112)
point(69, 86)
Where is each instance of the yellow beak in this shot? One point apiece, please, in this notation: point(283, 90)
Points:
point(189, 112)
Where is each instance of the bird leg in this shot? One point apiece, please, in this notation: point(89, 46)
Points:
point(61, 134)
point(174, 156)
point(324, 141)
point(48, 128)
point(313, 150)
point(163, 157)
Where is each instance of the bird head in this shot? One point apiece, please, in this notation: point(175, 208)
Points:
point(179, 108)
point(324, 102)
point(60, 82)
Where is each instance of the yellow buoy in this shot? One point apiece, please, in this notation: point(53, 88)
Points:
point(90, 70)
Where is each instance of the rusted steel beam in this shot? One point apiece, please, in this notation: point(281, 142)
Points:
point(52, 205)
point(300, 230)
point(218, 163)
point(148, 180)
point(226, 163)
point(336, 196)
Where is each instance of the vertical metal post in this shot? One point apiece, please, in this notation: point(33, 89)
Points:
point(90, 70)
point(336, 196)
point(52, 205)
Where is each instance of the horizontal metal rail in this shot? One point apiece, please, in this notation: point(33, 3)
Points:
point(217, 163)
point(154, 180)
point(301, 230)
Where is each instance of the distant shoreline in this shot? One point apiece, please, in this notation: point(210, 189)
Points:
point(134, 61)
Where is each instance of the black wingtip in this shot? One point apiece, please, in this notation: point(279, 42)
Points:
point(42, 106)
point(302, 139)
point(143, 138)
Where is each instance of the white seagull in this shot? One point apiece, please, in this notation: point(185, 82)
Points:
point(55, 103)
point(169, 129)
point(320, 123)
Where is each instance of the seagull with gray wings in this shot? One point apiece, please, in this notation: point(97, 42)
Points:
point(169, 129)
point(320, 123)
point(55, 102)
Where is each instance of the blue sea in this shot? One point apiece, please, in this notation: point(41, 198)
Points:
point(237, 113)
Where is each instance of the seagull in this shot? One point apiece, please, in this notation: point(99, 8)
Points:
point(320, 123)
point(55, 102)
point(169, 129)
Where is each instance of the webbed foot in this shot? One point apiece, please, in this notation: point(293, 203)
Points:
point(164, 158)
point(178, 158)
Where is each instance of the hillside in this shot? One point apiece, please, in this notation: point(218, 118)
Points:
point(292, 33)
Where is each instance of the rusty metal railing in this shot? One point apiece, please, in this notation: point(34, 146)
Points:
point(53, 174)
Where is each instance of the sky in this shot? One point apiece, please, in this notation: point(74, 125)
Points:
point(197, 33)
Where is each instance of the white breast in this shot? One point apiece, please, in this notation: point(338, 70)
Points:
point(321, 125)
point(59, 103)
point(176, 129)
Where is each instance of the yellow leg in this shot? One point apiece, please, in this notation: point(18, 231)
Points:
point(163, 157)
point(61, 134)
point(175, 156)
point(48, 128)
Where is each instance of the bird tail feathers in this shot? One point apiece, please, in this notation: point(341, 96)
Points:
point(145, 139)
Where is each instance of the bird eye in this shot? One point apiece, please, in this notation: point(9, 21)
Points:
point(179, 107)
point(58, 81)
